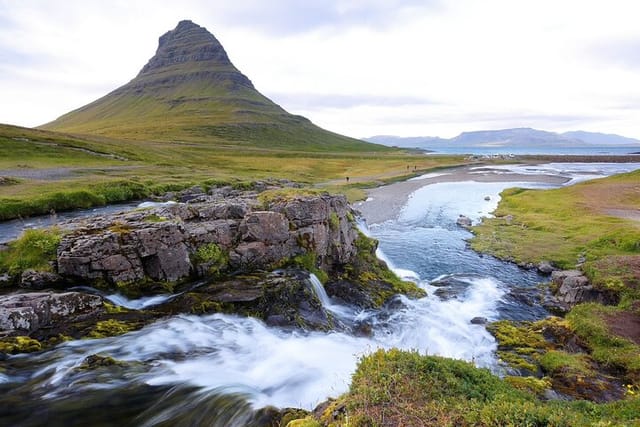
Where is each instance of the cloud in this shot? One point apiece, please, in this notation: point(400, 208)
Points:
point(353, 66)
point(322, 101)
point(285, 17)
point(623, 53)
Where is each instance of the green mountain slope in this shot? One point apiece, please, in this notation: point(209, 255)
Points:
point(191, 92)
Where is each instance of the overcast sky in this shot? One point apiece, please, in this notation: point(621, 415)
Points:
point(358, 67)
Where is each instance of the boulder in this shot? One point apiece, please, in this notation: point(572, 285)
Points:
point(464, 221)
point(32, 279)
point(545, 267)
point(281, 298)
point(28, 312)
point(572, 287)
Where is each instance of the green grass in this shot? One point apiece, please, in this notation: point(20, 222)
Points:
point(156, 167)
point(560, 225)
point(555, 361)
point(405, 388)
point(615, 352)
point(35, 249)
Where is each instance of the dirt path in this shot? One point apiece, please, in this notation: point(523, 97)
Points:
point(632, 214)
point(55, 174)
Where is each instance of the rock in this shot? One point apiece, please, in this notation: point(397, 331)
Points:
point(487, 198)
point(29, 312)
point(545, 267)
point(344, 292)
point(450, 287)
point(266, 227)
point(290, 298)
point(191, 194)
point(559, 276)
point(283, 298)
point(573, 288)
point(464, 221)
point(32, 279)
point(162, 244)
point(479, 321)
point(5, 280)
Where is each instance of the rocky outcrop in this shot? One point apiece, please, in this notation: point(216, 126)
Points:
point(28, 312)
point(280, 298)
point(180, 241)
point(572, 287)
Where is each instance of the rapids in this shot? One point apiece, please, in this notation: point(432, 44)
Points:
point(187, 368)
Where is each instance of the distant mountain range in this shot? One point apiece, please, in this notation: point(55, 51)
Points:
point(189, 91)
point(520, 138)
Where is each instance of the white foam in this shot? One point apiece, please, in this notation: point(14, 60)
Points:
point(145, 205)
point(140, 303)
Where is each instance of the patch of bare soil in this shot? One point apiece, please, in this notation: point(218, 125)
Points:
point(625, 324)
point(621, 200)
point(632, 214)
point(54, 174)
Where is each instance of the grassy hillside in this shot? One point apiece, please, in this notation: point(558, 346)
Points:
point(47, 171)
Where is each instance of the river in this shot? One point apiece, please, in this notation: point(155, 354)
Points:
point(185, 369)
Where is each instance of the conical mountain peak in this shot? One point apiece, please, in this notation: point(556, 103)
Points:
point(188, 42)
point(189, 91)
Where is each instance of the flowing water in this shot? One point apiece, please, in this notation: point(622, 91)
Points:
point(213, 369)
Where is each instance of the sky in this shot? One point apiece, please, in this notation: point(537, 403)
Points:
point(357, 67)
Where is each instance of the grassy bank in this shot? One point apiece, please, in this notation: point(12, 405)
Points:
point(593, 226)
point(398, 388)
point(585, 222)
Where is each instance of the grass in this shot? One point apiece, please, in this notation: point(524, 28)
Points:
point(154, 167)
point(212, 257)
point(405, 388)
point(562, 224)
point(590, 323)
point(35, 249)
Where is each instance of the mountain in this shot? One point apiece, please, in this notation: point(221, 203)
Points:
point(189, 91)
point(597, 138)
point(505, 139)
point(406, 142)
point(518, 136)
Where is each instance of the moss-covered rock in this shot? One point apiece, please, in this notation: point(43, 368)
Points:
point(110, 328)
point(19, 344)
point(368, 281)
point(304, 422)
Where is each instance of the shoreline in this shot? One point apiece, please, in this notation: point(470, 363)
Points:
point(384, 203)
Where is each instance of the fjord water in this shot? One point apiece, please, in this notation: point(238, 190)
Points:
point(186, 369)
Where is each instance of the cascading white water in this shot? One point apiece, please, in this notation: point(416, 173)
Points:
point(286, 368)
point(139, 303)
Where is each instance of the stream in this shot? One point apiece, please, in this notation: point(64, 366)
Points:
point(189, 370)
